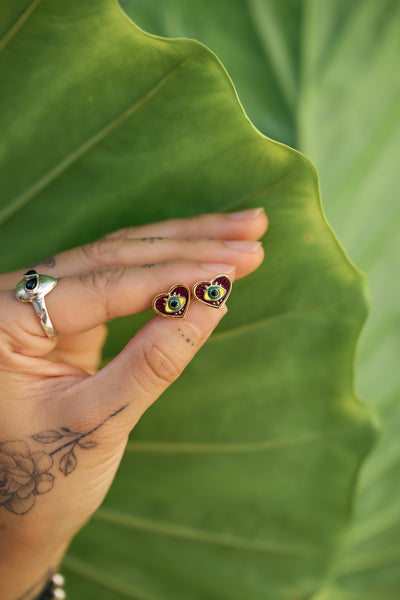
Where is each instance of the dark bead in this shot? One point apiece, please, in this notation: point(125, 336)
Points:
point(214, 293)
point(31, 284)
point(30, 273)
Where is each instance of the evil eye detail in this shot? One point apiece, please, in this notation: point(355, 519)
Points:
point(174, 304)
point(214, 292)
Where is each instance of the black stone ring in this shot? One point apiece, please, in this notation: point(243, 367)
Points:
point(33, 288)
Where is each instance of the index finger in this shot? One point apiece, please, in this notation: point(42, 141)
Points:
point(78, 304)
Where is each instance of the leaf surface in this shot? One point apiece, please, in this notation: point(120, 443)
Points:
point(322, 76)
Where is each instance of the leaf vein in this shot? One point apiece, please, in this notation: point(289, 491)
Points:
point(238, 330)
point(46, 179)
point(8, 36)
point(200, 535)
point(210, 447)
point(99, 577)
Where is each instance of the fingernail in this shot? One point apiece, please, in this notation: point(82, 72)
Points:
point(243, 246)
point(251, 213)
point(218, 267)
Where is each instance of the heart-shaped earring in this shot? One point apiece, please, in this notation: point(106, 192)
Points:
point(213, 293)
point(174, 303)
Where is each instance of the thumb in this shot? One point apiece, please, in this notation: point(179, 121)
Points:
point(151, 361)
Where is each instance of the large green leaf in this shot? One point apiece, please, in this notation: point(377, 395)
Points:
point(239, 482)
point(333, 65)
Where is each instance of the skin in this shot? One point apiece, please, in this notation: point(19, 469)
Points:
point(47, 385)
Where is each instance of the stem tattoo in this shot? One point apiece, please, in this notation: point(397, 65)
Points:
point(25, 473)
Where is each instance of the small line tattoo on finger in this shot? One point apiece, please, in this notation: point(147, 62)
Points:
point(151, 239)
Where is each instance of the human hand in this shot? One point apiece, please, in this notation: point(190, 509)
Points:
point(64, 426)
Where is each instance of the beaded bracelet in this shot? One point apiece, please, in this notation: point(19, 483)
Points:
point(53, 589)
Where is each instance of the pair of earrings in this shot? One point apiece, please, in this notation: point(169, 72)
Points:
point(175, 302)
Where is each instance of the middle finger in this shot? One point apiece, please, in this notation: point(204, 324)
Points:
point(145, 251)
point(148, 251)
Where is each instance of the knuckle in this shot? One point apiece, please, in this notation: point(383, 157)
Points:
point(125, 232)
point(100, 281)
point(102, 278)
point(158, 367)
point(103, 251)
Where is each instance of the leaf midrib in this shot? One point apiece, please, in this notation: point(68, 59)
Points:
point(111, 583)
point(228, 448)
point(242, 329)
point(46, 179)
point(8, 36)
point(200, 535)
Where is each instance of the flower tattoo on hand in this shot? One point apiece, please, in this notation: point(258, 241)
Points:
point(25, 474)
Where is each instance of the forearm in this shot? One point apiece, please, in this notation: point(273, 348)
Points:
point(26, 566)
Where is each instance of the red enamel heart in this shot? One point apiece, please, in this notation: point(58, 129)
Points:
point(213, 293)
point(174, 303)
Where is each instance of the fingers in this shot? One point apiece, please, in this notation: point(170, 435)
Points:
point(147, 251)
point(78, 304)
point(91, 299)
point(150, 362)
point(243, 225)
point(152, 243)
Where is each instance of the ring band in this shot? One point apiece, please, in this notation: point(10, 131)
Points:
point(33, 288)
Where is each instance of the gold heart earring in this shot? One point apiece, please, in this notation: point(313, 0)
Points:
point(173, 303)
point(213, 293)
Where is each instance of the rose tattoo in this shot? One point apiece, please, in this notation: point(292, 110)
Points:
point(25, 474)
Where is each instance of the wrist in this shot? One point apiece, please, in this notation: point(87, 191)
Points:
point(26, 567)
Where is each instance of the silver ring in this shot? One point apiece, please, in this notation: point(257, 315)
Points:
point(33, 288)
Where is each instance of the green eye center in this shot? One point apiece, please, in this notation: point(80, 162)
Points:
point(214, 293)
point(175, 303)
